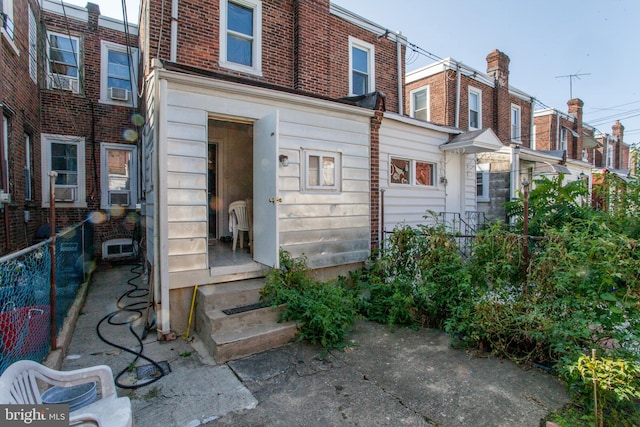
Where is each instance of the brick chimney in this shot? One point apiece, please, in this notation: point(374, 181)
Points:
point(618, 133)
point(94, 12)
point(498, 68)
point(311, 50)
point(575, 110)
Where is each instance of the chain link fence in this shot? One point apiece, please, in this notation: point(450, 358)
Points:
point(25, 292)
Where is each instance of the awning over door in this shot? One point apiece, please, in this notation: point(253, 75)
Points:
point(477, 141)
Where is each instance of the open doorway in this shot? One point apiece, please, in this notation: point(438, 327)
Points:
point(230, 179)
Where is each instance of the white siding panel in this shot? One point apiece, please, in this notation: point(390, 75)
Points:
point(186, 197)
point(187, 180)
point(187, 213)
point(187, 148)
point(186, 131)
point(187, 262)
point(186, 164)
point(188, 230)
point(187, 246)
point(322, 223)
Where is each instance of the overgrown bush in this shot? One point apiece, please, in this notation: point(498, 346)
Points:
point(325, 311)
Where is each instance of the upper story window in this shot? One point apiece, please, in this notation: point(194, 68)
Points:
point(361, 67)
point(475, 108)
point(117, 75)
point(28, 176)
point(516, 123)
point(609, 160)
point(4, 165)
point(241, 35)
point(64, 155)
point(118, 180)
point(419, 99)
point(322, 171)
point(7, 18)
point(64, 60)
point(33, 46)
point(563, 138)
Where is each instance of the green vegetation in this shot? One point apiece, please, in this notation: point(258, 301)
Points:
point(578, 290)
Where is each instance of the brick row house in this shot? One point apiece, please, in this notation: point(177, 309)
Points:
point(68, 88)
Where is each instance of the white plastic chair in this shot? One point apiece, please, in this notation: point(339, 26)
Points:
point(238, 221)
point(19, 385)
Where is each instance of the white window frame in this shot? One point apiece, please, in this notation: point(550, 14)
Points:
point(478, 93)
point(564, 138)
point(33, 46)
point(516, 124)
point(483, 168)
point(28, 172)
point(609, 160)
point(412, 106)
point(4, 168)
point(81, 192)
point(8, 25)
point(104, 176)
point(105, 48)
point(256, 53)
point(337, 177)
point(53, 76)
point(413, 178)
point(371, 75)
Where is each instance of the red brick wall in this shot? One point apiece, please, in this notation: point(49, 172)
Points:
point(20, 96)
point(304, 47)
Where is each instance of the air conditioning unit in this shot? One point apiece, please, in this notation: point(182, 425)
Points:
point(65, 194)
point(119, 94)
point(59, 81)
point(119, 198)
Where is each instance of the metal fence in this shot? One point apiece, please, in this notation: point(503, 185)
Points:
point(25, 292)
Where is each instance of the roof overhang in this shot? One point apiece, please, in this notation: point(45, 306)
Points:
point(589, 142)
point(552, 160)
point(477, 141)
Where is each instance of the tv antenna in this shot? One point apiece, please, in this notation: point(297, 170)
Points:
point(571, 77)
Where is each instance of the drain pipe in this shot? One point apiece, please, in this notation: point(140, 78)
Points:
point(400, 74)
point(457, 122)
point(174, 31)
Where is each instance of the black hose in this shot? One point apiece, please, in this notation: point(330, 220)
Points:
point(132, 308)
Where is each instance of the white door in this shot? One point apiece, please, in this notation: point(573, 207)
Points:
point(265, 190)
point(455, 184)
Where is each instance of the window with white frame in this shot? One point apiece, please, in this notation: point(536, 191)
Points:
point(322, 170)
point(563, 138)
point(241, 35)
point(117, 74)
point(64, 62)
point(475, 108)
point(4, 166)
point(419, 99)
point(609, 161)
point(33, 46)
point(361, 67)
point(118, 179)
point(482, 182)
point(516, 123)
point(411, 172)
point(28, 176)
point(7, 18)
point(66, 156)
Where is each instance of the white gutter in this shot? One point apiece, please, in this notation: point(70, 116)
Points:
point(457, 118)
point(174, 31)
point(400, 85)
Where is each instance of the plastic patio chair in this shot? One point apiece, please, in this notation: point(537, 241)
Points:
point(238, 221)
point(19, 384)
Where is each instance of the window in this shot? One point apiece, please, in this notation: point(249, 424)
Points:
point(119, 174)
point(563, 138)
point(419, 99)
point(4, 166)
point(64, 155)
point(361, 66)
point(516, 124)
point(7, 18)
point(475, 108)
point(322, 171)
point(241, 35)
point(63, 62)
point(28, 177)
point(402, 172)
point(119, 66)
point(609, 160)
point(482, 182)
point(33, 46)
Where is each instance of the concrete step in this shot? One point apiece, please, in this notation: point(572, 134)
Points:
point(221, 322)
point(240, 343)
point(230, 294)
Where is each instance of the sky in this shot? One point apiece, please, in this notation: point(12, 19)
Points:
point(594, 40)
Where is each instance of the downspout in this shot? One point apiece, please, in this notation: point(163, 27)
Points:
point(532, 143)
point(400, 74)
point(174, 31)
point(557, 131)
point(515, 170)
point(457, 123)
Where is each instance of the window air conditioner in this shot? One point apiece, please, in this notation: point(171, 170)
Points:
point(63, 82)
point(119, 94)
point(65, 194)
point(119, 198)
